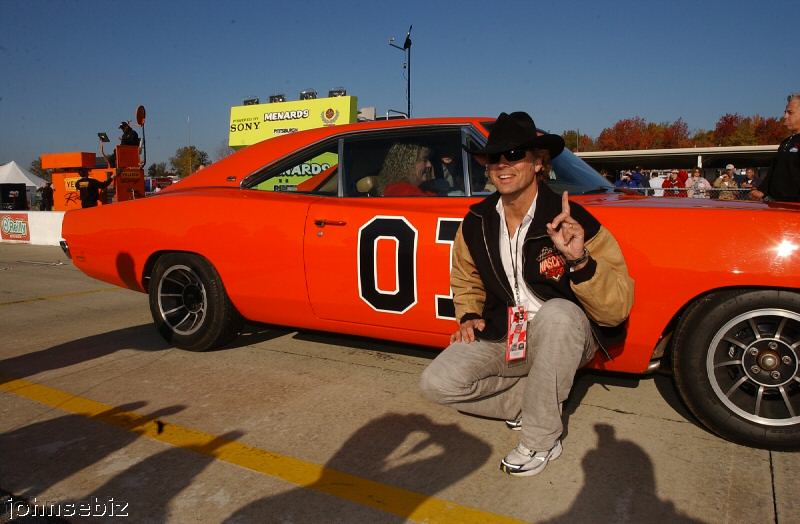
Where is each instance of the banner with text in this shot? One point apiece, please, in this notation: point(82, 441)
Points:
point(254, 123)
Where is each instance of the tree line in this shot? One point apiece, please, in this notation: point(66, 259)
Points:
point(637, 133)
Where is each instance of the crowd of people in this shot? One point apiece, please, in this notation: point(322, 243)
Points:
point(780, 183)
point(728, 184)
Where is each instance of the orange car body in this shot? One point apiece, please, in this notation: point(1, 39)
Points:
point(293, 259)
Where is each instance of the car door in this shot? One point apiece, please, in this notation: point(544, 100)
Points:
point(381, 260)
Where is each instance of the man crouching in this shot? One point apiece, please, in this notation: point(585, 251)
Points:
point(538, 287)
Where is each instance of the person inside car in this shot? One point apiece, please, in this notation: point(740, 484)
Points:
point(405, 169)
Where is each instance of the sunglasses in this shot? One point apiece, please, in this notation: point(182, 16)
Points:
point(512, 155)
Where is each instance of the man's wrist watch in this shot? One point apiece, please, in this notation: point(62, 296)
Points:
point(580, 260)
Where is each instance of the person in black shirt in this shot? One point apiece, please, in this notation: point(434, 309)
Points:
point(129, 138)
point(89, 188)
point(47, 197)
point(783, 178)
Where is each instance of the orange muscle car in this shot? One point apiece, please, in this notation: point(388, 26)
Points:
point(299, 231)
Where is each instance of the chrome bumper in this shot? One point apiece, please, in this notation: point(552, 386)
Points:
point(65, 248)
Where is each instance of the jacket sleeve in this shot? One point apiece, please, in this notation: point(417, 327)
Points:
point(469, 294)
point(604, 286)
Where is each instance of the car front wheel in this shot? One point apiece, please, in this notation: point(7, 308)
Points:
point(189, 305)
point(737, 366)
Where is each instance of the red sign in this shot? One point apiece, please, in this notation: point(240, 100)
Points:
point(14, 226)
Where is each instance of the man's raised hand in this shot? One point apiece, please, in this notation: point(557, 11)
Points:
point(565, 232)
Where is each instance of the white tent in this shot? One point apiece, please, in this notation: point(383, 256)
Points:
point(11, 173)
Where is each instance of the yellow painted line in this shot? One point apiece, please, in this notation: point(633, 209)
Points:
point(62, 295)
point(407, 504)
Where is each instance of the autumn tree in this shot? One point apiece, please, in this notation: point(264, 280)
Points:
point(187, 160)
point(768, 130)
point(626, 134)
point(576, 141)
point(37, 169)
point(675, 135)
point(158, 170)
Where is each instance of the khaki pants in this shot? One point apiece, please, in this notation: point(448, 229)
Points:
point(475, 378)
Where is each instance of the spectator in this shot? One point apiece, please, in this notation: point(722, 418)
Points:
point(656, 182)
point(697, 186)
point(751, 181)
point(725, 183)
point(627, 180)
point(783, 178)
point(683, 176)
point(47, 197)
point(670, 184)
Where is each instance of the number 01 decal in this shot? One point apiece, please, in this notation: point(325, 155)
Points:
point(404, 295)
point(403, 236)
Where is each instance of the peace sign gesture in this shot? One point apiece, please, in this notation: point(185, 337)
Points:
point(565, 232)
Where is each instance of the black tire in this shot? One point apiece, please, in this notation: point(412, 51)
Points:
point(736, 361)
point(189, 305)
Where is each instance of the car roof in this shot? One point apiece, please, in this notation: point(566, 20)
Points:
point(231, 170)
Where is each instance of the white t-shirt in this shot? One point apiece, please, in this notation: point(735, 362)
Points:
point(511, 255)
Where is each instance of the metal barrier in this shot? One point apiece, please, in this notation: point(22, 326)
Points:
point(680, 192)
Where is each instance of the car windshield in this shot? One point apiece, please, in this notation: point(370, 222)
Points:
point(570, 173)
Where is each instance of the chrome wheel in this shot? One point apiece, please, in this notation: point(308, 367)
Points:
point(753, 366)
point(182, 300)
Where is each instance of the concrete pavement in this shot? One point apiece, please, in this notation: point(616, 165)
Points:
point(286, 426)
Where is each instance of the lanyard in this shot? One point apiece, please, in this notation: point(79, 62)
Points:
point(514, 255)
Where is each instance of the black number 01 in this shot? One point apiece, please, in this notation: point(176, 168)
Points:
point(404, 294)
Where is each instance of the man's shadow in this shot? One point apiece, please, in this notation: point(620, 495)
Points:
point(38, 456)
point(619, 486)
point(410, 452)
point(149, 486)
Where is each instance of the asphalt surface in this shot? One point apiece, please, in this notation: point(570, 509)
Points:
point(97, 412)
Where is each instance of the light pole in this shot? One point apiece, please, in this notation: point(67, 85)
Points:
point(407, 50)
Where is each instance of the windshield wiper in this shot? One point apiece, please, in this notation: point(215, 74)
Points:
point(597, 190)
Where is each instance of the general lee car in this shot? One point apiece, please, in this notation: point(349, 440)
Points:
point(295, 231)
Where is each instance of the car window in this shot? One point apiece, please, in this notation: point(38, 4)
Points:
point(405, 163)
point(314, 171)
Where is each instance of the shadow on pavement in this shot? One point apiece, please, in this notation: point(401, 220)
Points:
point(36, 457)
point(159, 478)
point(619, 486)
point(139, 338)
point(405, 451)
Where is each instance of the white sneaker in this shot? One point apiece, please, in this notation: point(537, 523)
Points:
point(524, 462)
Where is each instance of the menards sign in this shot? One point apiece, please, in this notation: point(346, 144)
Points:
point(253, 123)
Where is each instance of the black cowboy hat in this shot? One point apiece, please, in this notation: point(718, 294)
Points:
point(515, 131)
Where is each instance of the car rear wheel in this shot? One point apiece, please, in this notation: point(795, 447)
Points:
point(737, 366)
point(189, 305)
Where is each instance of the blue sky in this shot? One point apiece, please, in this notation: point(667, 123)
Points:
point(71, 68)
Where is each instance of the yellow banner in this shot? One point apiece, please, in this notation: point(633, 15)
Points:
point(254, 123)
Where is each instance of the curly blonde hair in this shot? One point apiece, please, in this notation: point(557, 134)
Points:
point(399, 163)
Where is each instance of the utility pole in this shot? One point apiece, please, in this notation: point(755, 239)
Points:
point(407, 50)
